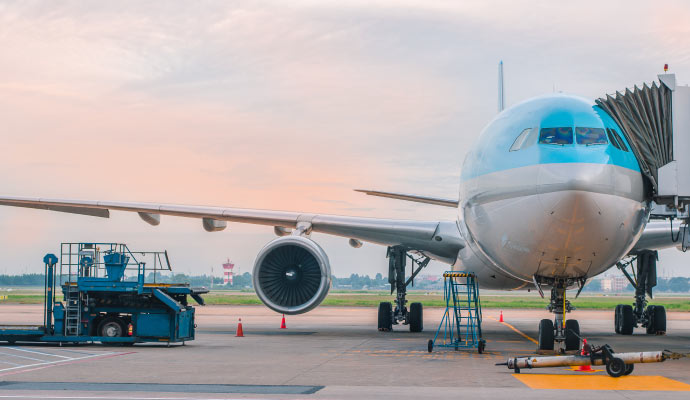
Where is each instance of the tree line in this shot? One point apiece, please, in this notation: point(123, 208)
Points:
point(354, 281)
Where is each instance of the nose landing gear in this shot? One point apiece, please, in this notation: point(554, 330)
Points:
point(565, 332)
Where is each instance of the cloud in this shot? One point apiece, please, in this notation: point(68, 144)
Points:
point(285, 105)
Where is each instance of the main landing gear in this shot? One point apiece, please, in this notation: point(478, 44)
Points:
point(389, 316)
point(565, 332)
point(650, 317)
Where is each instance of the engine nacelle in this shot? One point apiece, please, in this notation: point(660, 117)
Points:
point(292, 275)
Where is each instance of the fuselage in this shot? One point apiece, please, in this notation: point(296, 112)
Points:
point(552, 189)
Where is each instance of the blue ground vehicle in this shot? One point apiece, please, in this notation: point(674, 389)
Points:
point(106, 299)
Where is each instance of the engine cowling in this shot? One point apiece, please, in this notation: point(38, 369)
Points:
point(292, 275)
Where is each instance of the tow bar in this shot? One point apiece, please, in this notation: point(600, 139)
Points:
point(617, 364)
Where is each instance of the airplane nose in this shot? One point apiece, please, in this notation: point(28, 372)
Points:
point(570, 207)
point(569, 195)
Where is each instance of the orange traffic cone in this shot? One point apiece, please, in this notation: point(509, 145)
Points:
point(584, 353)
point(501, 318)
point(240, 332)
point(282, 323)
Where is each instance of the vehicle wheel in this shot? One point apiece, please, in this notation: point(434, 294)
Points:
point(546, 334)
point(481, 347)
point(385, 316)
point(627, 319)
point(629, 369)
point(617, 319)
point(651, 328)
point(659, 320)
point(572, 335)
point(416, 317)
point(111, 327)
point(430, 345)
point(615, 367)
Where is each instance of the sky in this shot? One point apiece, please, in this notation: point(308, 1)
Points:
point(284, 105)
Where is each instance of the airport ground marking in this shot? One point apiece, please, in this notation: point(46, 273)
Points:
point(49, 397)
point(602, 382)
point(48, 364)
point(519, 332)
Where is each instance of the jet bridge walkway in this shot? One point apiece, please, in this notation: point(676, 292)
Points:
point(656, 121)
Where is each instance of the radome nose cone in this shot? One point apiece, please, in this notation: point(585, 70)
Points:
point(571, 207)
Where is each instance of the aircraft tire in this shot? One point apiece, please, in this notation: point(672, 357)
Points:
point(617, 319)
point(416, 317)
point(385, 316)
point(546, 334)
point(572, 335)
point(627, 320)
point(659, 320)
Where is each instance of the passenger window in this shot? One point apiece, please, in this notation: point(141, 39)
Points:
point(560, 136)
point(612, 139)
point(620, 141)
point(590, 136)
point(520, 140)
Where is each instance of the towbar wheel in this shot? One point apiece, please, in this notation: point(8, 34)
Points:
point(615, 367)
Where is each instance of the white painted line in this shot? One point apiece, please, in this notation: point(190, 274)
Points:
point(55, 362)
point(49, 397)
point(36, 352)
point(24, 357)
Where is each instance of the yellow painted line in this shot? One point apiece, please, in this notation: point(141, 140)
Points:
point(599, 382)
point(519, 332)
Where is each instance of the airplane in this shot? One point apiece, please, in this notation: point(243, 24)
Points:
point(551, 195)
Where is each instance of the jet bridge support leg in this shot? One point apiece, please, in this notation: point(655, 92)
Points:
point(400, 314)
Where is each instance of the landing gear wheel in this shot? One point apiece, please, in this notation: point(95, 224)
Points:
point(546, 334)
point(627, 319)
point(416, 317)
point(615, 367)
point(651, 328)
point(572, 335)
point(617, 319)
point(430, 345)
point(385, 316)
point(111, 327)
point(658, 320)
point(629, 369)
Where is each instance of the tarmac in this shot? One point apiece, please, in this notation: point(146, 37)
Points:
point(333, 353)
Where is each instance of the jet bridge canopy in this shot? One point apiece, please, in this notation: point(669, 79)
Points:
point(656, 121)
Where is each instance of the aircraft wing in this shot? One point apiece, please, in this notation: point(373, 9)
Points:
point(438, 239)
point(659, 235)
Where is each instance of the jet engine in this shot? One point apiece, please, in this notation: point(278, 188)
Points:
point(292, 275)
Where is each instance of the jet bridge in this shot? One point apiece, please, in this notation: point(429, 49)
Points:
point(656, 121)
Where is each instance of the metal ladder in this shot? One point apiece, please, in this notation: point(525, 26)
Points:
point(72, 311)
point(462, 320)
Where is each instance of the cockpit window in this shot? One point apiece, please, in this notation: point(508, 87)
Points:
point(612, 139)
point(589, 136)
point(560, 136)
point(520, 140)
point(621, 143)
